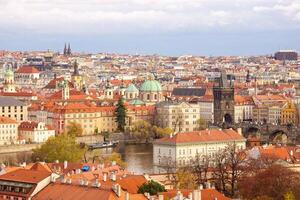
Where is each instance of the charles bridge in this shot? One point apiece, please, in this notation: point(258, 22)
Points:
point(268, 132)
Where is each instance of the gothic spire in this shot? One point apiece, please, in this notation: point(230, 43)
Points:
point(65, 49)
point(69, 50)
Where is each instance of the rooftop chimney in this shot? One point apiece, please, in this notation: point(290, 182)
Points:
point(104, 177)
point(65, 164)
point(160, 197)
point(126, 195)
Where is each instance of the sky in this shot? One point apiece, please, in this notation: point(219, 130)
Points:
point(167, 27)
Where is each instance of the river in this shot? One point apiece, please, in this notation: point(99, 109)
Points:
point(139, 158)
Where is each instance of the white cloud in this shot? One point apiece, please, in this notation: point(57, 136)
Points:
point(147, 16)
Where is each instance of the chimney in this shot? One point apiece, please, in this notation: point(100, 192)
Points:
point(190, 196)
point(179, 195)
point(96, 183)
point(160, 197)
point(117, 190)
point(81, 182)
point(239, 130)
point(104, 177)
point(126, 195)
point(65, 164)
point(113, 177)
point(196, 195)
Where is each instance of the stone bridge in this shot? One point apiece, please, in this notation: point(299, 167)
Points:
point(268, 132)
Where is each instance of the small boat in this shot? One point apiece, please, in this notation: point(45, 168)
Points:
point(105, 144)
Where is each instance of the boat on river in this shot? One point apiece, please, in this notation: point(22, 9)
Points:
point(105, 144)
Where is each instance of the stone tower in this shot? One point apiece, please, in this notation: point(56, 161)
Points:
point(9, 83)
point(77, 79)
point(224, 101)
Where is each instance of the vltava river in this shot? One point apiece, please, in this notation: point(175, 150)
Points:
point(139, 158)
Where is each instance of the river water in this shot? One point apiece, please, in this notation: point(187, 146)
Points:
point(139, 158)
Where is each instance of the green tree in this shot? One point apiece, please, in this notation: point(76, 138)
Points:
point(142, 130)
point(161, 132)
point(201, 124)
point(121, 114)
point(59, 148)
point(74, 129)
point(151, 187)
point(117, 158)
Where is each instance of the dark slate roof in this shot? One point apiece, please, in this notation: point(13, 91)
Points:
point(10, 101)
point(199, 92)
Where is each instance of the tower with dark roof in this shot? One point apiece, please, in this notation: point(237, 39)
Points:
point(224, 101)
point(77, 79)
point(65, 49)
point(69, 52)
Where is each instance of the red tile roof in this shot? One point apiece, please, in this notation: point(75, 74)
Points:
point(33, 175)
point(132, 183)
point(27, 70)
point(203, 136)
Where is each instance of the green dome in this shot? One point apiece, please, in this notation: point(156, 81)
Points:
point(136, 102)
point(150, 86)
point(132, 88)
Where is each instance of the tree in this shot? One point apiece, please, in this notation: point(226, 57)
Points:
point(74, 129)
point(62, 148)
point(184, 179)
point(201, 124)
point(200, 169)
point(275, 181)
point(121, 115)
point(117, 158)
point(151, 187)
point(289, 195)
point(161, 132)
point(142, 130)
point(229, 168)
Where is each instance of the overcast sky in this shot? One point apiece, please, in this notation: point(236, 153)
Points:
point(169, 27)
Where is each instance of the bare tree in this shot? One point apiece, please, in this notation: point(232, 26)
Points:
point(200, 169)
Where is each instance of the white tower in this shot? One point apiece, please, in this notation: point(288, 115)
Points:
point(9, 82)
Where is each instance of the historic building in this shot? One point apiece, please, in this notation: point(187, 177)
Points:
point(35, 132)
point(179, 116)
point(13, 108)
point(8, 131)
point(131, 92)
point(224, 101)
point(9, 83)
point(151, 92)
point(183, 148)
point(77, 79)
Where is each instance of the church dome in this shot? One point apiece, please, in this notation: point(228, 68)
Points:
point(132, 88)
point(150, 86)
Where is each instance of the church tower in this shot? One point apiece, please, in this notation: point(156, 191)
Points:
point(77, 78)
point(224, 101)
point(9, 83)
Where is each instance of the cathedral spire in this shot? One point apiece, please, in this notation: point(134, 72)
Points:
point(65, 49)
point(69, 52)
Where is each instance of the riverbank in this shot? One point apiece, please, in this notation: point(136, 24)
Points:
point(18, 148)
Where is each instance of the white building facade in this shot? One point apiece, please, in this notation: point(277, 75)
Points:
point(183, 148)
point(35, 132)
point(8, 131)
